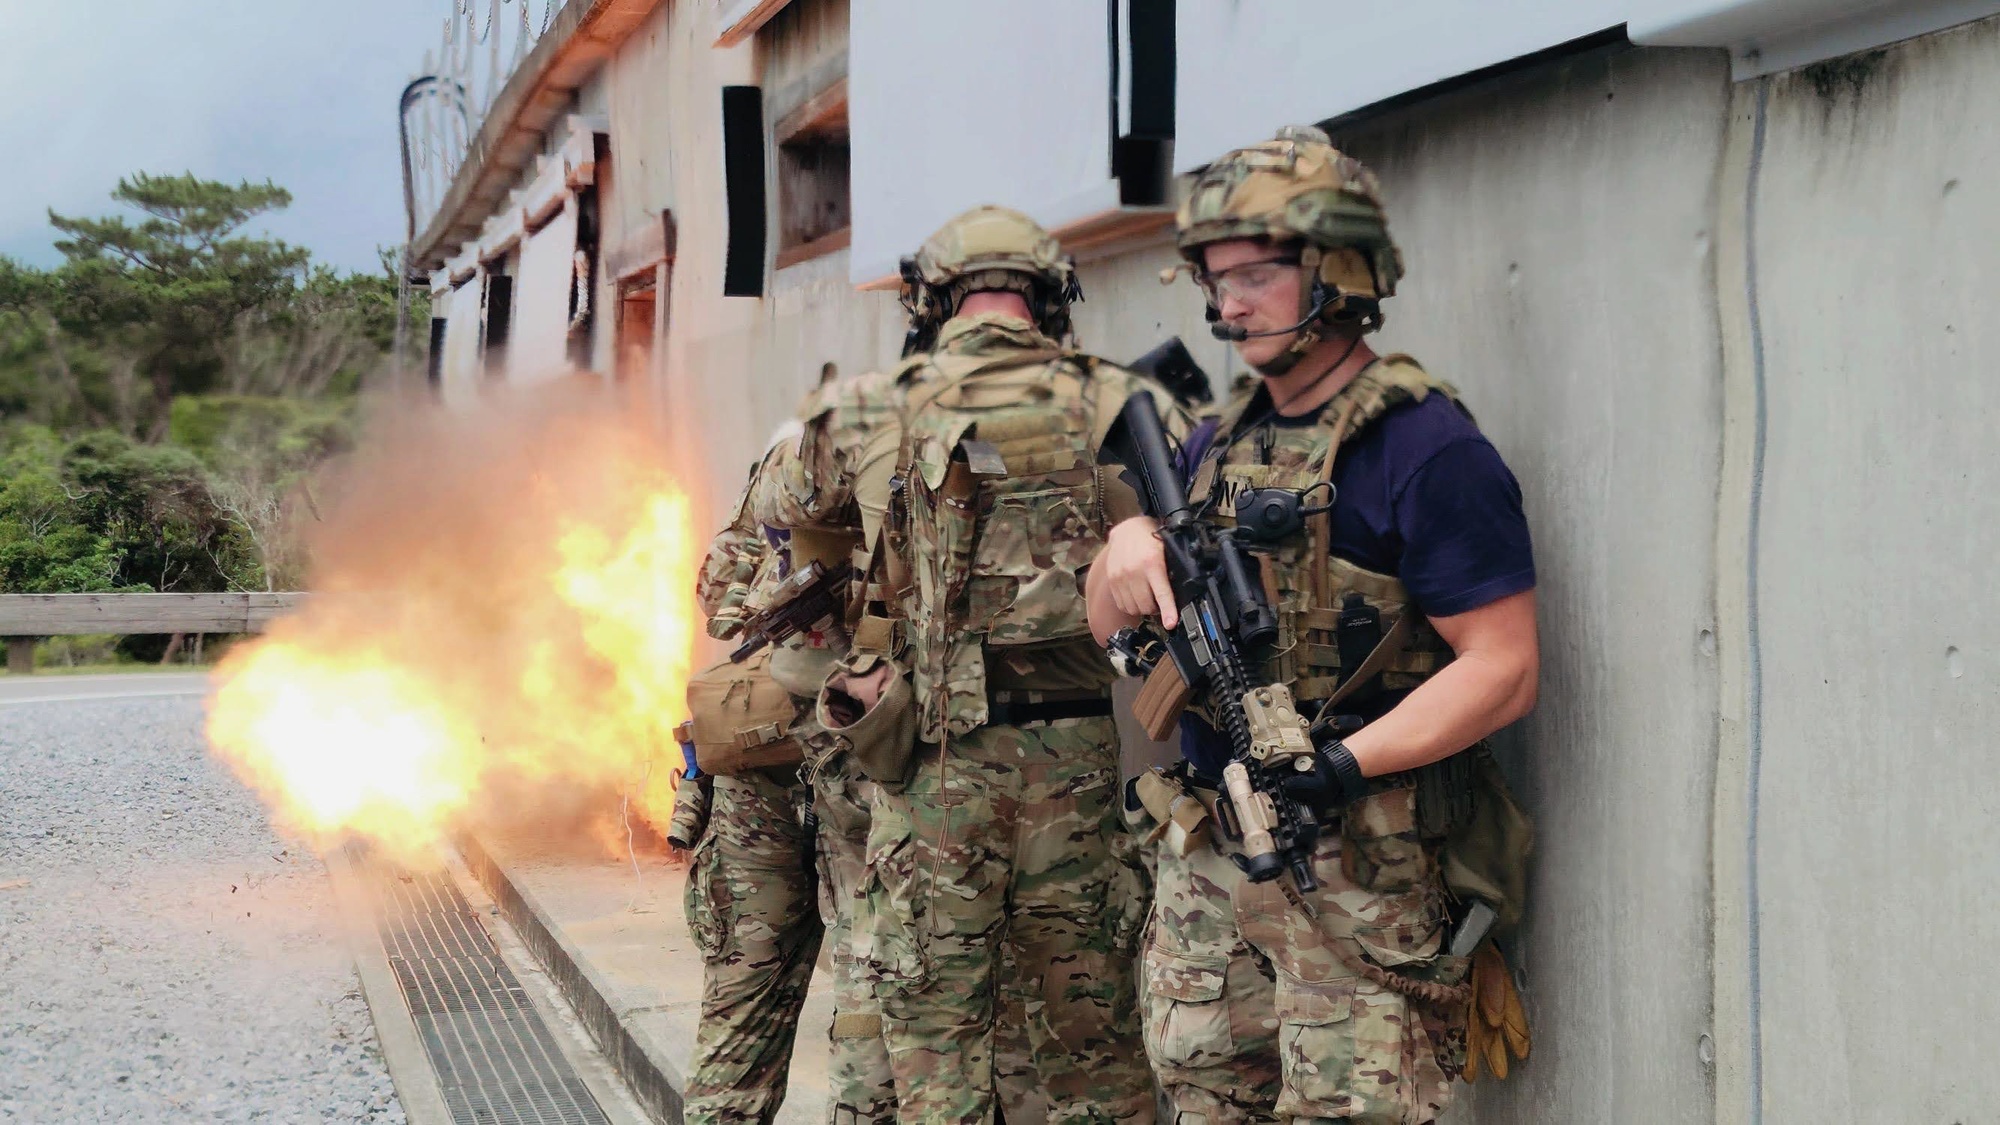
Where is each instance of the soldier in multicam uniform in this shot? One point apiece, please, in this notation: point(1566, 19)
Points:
point(804, 492)
point(750, 901)
point(1264, 1001)
point(977, 701)
point(801, 494)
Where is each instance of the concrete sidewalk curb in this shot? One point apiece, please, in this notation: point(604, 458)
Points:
point(654, 1080)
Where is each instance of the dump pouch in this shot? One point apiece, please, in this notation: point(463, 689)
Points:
point(883, 740)
point(1485, 856)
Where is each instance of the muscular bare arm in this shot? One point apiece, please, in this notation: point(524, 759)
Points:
point(1490, 683)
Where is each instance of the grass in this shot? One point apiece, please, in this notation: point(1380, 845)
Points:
point(111, 668)
point(97, 654)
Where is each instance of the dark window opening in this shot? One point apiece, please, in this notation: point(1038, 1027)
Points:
point(434, 362)
point(589, 238)
point(499, 318)
point(743, 177)
point(815, 209)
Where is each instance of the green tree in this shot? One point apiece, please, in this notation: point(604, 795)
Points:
point(167, 291)
point(168, 391)
point(154, 505)
point(45, 548)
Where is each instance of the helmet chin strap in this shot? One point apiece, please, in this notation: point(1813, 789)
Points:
point(1289, 358)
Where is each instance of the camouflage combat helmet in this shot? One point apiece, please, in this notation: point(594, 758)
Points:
point(988, 248)
point(1298, 189)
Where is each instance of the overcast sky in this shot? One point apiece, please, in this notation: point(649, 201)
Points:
point(300, 91)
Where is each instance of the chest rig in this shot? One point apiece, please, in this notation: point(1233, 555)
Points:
point(1332, 614)
point(995, 507)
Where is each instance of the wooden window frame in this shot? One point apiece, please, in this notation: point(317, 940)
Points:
point(820, 117)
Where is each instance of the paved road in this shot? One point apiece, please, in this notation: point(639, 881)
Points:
point(164, 956)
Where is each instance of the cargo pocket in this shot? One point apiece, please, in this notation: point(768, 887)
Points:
point(888, 952)
point(709, 906)
point(1130, 895)
point(1316, 1046)
point(1187, 1016)
point(1385, 854)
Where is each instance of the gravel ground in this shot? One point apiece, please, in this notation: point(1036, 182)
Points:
point(164, 956)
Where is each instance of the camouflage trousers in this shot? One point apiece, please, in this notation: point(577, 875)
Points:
point(862, 1089)
point(863, 1086)
point(1008, 843)
point(1253, 1014)
point(750, 907)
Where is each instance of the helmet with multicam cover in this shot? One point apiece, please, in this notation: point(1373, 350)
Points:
point(988, 248)
point(1298, 189)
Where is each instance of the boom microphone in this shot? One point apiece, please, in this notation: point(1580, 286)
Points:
point(1237, 334)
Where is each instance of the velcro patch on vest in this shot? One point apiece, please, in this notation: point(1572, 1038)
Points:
point(984, 458)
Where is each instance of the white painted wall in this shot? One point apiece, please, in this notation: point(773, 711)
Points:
point(460, 373)
point(1279, 62)
point(1247, 68)
point(538, 342)
point(731, 368)
point(952, 105)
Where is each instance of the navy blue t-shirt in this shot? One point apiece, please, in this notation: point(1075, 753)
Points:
point(1420, 494)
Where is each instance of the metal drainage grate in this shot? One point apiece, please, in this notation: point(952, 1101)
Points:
point(496, 1062)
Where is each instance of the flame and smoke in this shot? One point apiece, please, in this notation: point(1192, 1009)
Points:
point(503, 623)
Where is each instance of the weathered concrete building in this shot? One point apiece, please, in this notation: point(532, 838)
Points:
point(1711, 273)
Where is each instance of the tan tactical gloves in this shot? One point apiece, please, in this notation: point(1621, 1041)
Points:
point(1495, 1023)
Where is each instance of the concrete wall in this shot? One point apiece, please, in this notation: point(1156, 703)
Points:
point(731, 368)
point(1732, 339)
point(1874, 220)
point(1557, 231)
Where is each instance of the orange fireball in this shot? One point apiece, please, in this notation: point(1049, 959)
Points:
point(505, 627)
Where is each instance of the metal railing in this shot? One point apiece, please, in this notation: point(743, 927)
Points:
point(443, 107)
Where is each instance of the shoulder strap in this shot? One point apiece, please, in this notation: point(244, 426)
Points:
point(1388, 382)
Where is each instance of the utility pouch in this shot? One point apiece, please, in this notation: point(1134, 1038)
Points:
point(1161, 700)
point(1357, 631)
point(690, 816)
point(741, 718)
point(1180, 820)
point(882, 740)
point(882, 636)
point(1445, 794)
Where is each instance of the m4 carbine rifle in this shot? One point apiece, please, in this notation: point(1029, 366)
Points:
point(811, 597)
point(1226, 629)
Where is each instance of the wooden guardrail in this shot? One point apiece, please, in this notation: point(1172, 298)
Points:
point(26, 617)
